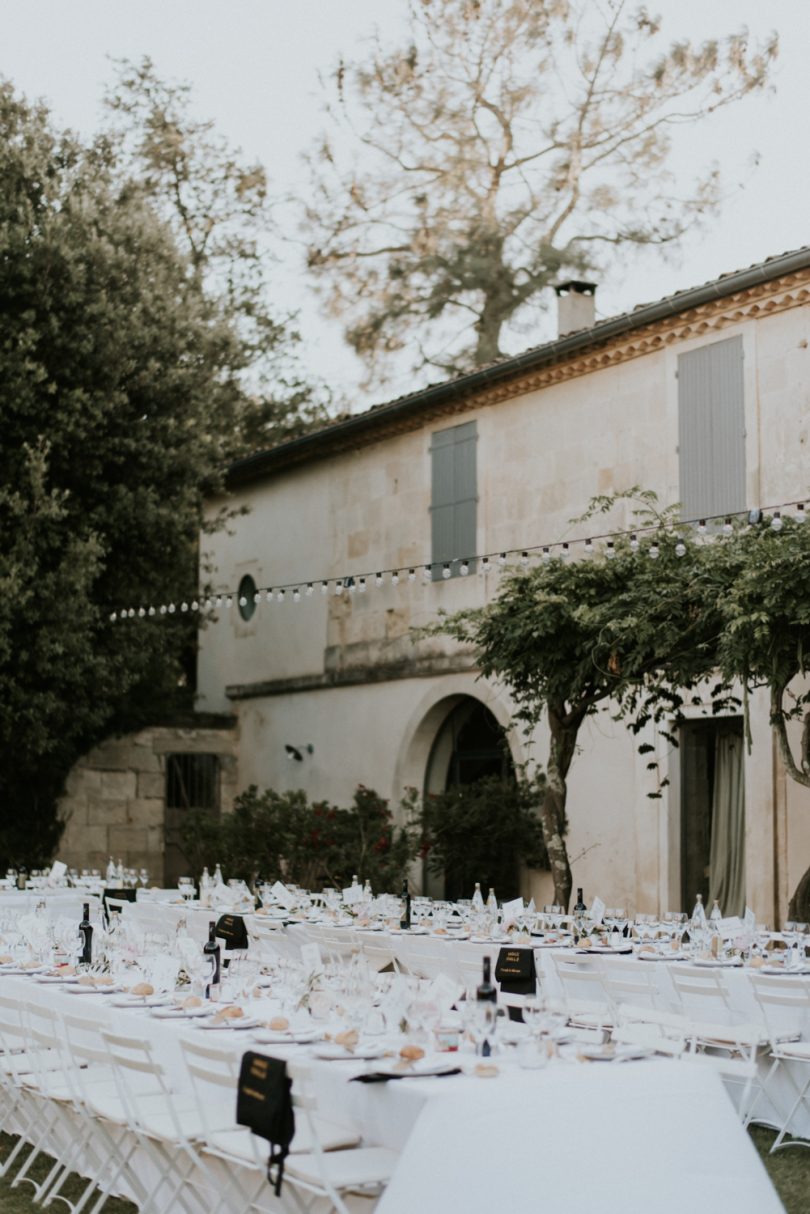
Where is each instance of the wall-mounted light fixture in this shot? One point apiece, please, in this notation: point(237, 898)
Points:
point(297, 752)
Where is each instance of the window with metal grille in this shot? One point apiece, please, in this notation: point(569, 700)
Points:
point(711, 430)
point(454, 499)
point(192, 781)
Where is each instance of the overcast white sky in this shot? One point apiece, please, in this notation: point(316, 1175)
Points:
point(254, 66)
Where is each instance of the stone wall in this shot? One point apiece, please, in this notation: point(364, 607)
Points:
point(115, 796)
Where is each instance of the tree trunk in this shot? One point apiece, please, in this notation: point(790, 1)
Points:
point(564, 728)
point(799, 908)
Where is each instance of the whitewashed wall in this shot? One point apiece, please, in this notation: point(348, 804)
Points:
point(541, 456)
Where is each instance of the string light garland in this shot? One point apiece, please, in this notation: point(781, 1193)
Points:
point(486, 562)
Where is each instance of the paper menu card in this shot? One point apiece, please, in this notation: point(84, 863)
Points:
point(444, 992)
point(511, 910)
point(58, 870)
point(282, 895)
point(353, 894)
point(597, 910)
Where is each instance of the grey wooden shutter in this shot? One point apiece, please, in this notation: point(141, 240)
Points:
point(454, 496)
point(711, 430)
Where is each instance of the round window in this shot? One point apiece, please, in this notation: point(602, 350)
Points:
point(247, 597)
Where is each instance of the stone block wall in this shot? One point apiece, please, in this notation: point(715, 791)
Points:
point(115, 796)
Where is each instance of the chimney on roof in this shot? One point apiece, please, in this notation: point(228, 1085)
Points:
point(576, 306)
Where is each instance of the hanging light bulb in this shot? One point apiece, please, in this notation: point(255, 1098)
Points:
point(634, 542)
point(209, 603)
point(350, 585)
point(727, 527)
point(546, 553)
point(338, 587)
point(219, 600)
point(445, 570)
point(524, 559)
point(151, 611)
point(589, 547)
point(280, 595)
point(486, 565)
point(228, 603)
point(270, 594)
point(378, 579)
point(701, 527)
point(257, 598)
point(610, 550)
point(172, 608)
point(362, 585)
point(680, 548)
point(800, 514)
point(464, 567)
point(141, 612)
point(324, 587)
point(310, 589)
point(184, 606)
point(162, 609)
point(113, 617)
point(426, 573)
point(395, 578)
point(565, 552)
point(296, 595)
point(502, 559)
point(411, 575)
point(242, 601)
point(776, 521)
point(654, 551)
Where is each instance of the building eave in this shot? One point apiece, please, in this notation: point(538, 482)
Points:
point(492, 381)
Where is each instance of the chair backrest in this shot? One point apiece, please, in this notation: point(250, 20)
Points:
point(84, 1041)
point(702, 991)
point(630, 982)
point(785, 1004)
point(13, 1032)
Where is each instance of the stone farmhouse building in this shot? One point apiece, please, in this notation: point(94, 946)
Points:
point(703, 397)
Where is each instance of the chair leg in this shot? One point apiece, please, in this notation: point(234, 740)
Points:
point(801, 1094)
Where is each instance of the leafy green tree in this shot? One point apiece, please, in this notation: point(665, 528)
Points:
point(218, 208)
point(763, 588)
point(481, 832)
point(119, 390)
point(631, 627)
point(511, 143)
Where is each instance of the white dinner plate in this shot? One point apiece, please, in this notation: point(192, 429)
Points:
point(146, 1001)
point(245, 1022)
point(710, 963)
point(424, 1066)
point(76, 988)
point(270, 1037)
point(180, 1013)
point(339, 1053)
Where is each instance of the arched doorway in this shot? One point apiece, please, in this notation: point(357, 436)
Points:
point(470, 751)
point(469, 745)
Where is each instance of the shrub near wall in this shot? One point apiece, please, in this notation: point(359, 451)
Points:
point(282, 836)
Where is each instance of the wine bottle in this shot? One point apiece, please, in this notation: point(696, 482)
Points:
point(486, 996)
point(580, 909)
point(212, 954)
point(86, 934)
point(405, 921)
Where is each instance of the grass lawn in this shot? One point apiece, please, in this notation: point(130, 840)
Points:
point(788, 1169)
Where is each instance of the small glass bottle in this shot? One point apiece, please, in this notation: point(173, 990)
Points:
point(218, 876)
point(477, 899)
point(211, 951)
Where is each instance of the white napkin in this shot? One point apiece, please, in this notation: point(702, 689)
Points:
point(511, 910)
point(282, 895)
point(597, 910)
point(58, 870)
point(444, 992)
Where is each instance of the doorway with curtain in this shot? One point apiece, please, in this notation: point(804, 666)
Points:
point(713, 814)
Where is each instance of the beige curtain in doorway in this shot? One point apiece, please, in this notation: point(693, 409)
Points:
point(727, 851)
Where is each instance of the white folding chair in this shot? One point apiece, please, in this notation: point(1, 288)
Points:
point(214, 1071)
point(169, 1127)
point(585, 999)
point(98, 1104)
point(630, 981)
point(20, 1064)
point(333, 1174)
point(785, 1004)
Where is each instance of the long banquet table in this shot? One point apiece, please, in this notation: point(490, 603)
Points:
point(516, 1141)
